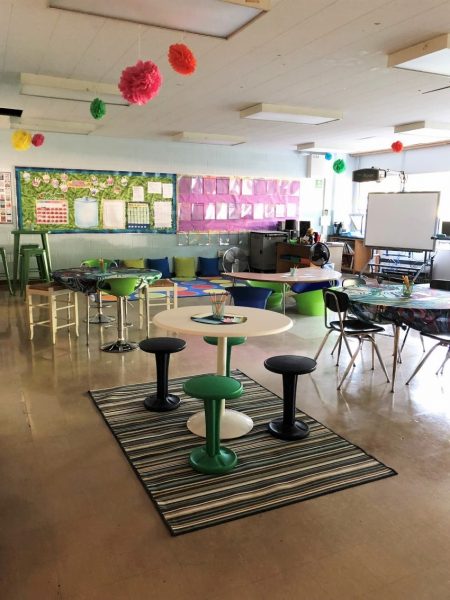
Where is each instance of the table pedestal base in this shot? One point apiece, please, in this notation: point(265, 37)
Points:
point(120, 346)
point(157, 404)
point(296, 431)
point(100, 319)
point(224, 461)
point(233, 424)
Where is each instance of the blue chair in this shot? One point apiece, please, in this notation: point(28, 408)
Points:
point(250, 296)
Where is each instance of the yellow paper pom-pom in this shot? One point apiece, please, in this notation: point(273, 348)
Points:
point(21, 140)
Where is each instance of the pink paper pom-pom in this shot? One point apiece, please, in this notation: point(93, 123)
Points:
point(37, 139)
point(140, 83)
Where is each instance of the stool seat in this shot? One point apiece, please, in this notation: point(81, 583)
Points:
point(290, 367)
point(213, 390)
point(162, 348)
point(295, 365)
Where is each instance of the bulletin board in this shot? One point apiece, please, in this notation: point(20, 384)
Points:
point(80, 201)
point(227, 204)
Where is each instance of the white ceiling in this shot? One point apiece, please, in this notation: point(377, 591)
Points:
point(329, 54)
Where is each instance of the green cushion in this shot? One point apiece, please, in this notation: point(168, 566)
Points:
point(213, 387)
point(310, 303)
point(120, 286)
point(133, 263)
point(184, 266)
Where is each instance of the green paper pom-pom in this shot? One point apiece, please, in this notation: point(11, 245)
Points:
point(98, 108)
point(339, 166)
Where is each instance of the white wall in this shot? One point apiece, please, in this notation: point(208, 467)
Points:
point(85, 152)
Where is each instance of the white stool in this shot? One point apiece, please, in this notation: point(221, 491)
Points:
point(147, 299)
point(54, 294)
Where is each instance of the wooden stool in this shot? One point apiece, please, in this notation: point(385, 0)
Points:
point(290, 367)
point(162, 348)
point(53, 293)
point(41, 258)
point(213, 390)
point(169, 299)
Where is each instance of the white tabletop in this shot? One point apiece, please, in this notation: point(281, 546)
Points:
point(306, 275)
point(259, 321)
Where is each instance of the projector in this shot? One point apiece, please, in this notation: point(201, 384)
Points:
point(363, 175)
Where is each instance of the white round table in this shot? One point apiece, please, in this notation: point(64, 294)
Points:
point(258, 322)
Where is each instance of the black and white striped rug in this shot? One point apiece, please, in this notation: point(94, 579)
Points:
point(270, 473)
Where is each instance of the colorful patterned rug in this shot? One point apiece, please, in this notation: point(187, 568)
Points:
point(270, 473)
point(201, 287)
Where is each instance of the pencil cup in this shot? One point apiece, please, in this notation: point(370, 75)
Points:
point(218, 302)
point(407, 290)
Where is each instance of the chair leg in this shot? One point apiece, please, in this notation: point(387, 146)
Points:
point(322, 344)
point(349, 366)
point(30, 315)
point(376, 349)
point(75, 308)
point(440, 371)
point(52, 317)
point(420, 365)
point(87, 319)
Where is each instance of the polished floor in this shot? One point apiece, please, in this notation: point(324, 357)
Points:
point(77, 525)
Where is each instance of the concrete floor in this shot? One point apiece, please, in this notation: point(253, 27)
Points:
point(76, 523)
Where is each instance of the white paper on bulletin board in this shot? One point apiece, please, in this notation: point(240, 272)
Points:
point(162, 214)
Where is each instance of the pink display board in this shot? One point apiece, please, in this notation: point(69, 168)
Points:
point(235, 203)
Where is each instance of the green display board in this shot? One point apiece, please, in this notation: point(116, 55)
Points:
point(76, 201)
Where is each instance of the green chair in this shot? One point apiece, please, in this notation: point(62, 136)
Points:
point(5, 268)
point(275, 300)
point(26, 253)
point(100, 317)
point(231, 341)
point(213, 390)
point(121, 287)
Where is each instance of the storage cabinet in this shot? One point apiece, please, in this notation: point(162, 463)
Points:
point(355, 254)
point(292, 255)
point(263, 249)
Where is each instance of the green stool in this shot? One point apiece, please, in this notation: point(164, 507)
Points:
point(100, 318)
point(213, 390)
point(310, 303)
point(5, 267)
point(27, 252)
point(231, 341)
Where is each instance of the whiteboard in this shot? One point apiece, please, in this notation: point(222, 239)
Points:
point(402, 221)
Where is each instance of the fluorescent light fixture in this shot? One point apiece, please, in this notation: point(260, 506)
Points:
point(52, 125)
point(432, 56)
point(426, 129)
point(217, 18)
point(290, 114)
point(61, 88)
point(208, 138)
point(312, 148)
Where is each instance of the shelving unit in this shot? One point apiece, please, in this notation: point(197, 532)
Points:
point(291, 255)
point(355, 255)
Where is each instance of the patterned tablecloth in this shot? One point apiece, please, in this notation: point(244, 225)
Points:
point(86, 279)
point(426, 307)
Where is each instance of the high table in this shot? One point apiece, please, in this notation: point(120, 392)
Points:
point(86, 280)
point(426, 307)
point(259, 322)
point(16, 250)
point(305, 275)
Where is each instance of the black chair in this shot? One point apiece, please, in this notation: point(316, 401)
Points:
point(290, 367)
point(338, 302)
point(440, 284)
point(443, 339)
point(162, 348)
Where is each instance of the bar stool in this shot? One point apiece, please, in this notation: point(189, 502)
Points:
point(290, 367)
point(26, 253)
point(54, 293)
point(213, 389)
point(162, 292)
point(162, 348)
point(5, 268)
point(100, 317)
point(231, 341)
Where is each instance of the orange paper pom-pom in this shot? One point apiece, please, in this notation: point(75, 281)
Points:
point(397, 147)
point(182, 59)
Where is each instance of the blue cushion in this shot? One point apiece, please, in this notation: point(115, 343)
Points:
point(208, 267)
point(310, 287)
point(160, 264)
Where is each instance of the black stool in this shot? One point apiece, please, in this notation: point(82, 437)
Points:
point(162, 348)
point(290, 367)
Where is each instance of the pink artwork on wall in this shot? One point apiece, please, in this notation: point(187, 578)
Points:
point(227, 204)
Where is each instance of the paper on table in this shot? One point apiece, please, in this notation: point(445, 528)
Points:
point(113, 214)
point(162, 214)
point(167, 190)
point(138, 193)
point(154, 187)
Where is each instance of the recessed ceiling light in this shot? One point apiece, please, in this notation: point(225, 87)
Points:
point(52, 125)
point(61, 88)
point(290, 114)
point(427, 129)
point(194, 137)
point(217, 18)
point(432, 56)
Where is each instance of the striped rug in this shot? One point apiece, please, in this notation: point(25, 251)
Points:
point(271, 473)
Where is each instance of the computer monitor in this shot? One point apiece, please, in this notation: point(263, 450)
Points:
point(303, 227)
